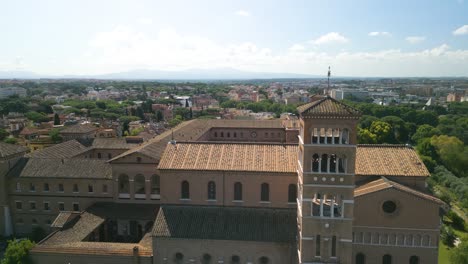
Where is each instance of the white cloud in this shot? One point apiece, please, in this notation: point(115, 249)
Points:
point(379, 34)
point(463, 30)
point(332, 37)
point(242, 13)
point(415, 39)
point(297, 47)
point(145, 21)
point(125, 48)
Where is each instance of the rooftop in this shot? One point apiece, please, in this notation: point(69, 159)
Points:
point(111, 143)
point(7, 150)
point(328, 107)
point(385, 184)
point(265, 157)
point(61, 168)
point(389, 160)
point(77, 129)
point(65, 150)
point(226, 223)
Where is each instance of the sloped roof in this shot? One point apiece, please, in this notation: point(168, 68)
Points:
point(386, 184)
point(65, 150)
point(7, 150)
point(221, 123)
point(76, 129)
point(328, 107)
point(389, 160)
point(61, 168)
point(190, 130)
point(265, 157)
point(111, 143)
point(226, 223)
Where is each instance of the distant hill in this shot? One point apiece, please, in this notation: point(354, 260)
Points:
point(142, 74)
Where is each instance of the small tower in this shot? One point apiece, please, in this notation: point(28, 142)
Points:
point(327, 154)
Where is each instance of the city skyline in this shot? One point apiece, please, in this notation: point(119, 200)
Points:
point(358, 39)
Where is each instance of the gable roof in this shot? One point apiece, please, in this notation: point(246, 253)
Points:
point(266, 157)
point(226, 223)
point(78, 129)
point(328, 107)
point(386, 184)
point(61, 168)
point(7, 150)
point(389, 160)
point(65, 150)
point(111, 143)
point(189, 130)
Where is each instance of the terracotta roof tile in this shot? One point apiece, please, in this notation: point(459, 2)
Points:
point(7, 150)
point(226, 223)
point(78, 129)
point(389, 160)
point(65, 150)
point(385, 184)
point(328, 107)
point(266, 157)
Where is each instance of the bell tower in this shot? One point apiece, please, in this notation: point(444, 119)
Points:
point(327, 154)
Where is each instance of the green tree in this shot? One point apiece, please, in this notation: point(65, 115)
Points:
point(159, 116)
point(56, 119)
point(17, 252)
point(175, 121)
point(54, 135)
point(3, 134)
point(447, 235)
point(37, 117)
point(452, 152)
point(366, 137)
point(10, 140)
point(460, 254)
point(382, 131)
point(425, 131)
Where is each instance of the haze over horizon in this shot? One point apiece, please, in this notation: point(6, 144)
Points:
point(361, 38)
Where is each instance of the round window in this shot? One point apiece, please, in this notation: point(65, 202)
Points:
point(389, 207)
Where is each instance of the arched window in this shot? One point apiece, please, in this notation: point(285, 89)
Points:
point(414, 260)
point(155, 185)
point(360, 258)
point(345, 136)
point(315, 163)
point(342, 165)
point(292, 193)
point(265, 192)
point(333, 251)
point(235, 259)
point(237, 191)
point(324, 163)
point(317, 246)
point(124, 184)
point(211, 190)
point(139, 184)
point(178, 257)
point(206, 259)
point(387, 259)
point(185, 190)
point(333, 163)
point(314, 136)
point(264, 260)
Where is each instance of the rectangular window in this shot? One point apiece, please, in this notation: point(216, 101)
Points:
point(75, 188)
point(46, 187)
point(60, 187)
point(76, 207)
point(90, 188)
point(46, 206)
point(19, 205)
point(104, 188)
point(317, 246)
point(32, 187)
point(18, 187)
point(32, 206)
point(61, 206)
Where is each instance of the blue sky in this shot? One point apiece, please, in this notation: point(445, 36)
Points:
point(355, 37)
